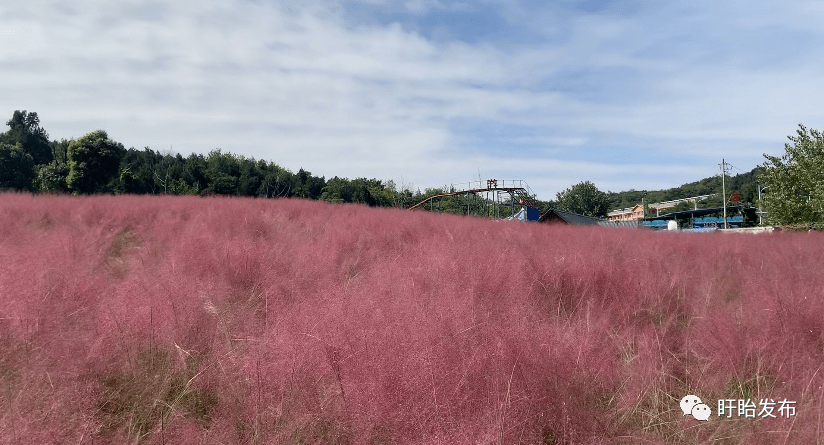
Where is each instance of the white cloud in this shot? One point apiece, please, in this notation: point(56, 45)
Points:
point(299, 85)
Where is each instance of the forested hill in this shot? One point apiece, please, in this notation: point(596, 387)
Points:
point(94, 163)
point(744, 183)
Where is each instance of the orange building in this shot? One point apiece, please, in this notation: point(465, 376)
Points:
point(629, 214)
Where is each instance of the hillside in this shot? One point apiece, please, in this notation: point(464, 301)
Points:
point(744, 183)
point(188, 320)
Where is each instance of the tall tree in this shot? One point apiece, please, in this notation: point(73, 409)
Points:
point(24, 129)
point(276, 182)
point(93, 161)
point(137, 171)
point(251, 177)
point(194, 172)
point(795, 181)
point(308, 186)
point(222, 172)
point(584, 199)
point(16, 167)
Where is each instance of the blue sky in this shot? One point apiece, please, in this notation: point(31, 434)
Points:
point(627, 94)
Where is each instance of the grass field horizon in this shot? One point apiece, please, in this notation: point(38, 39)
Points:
point(187, 320)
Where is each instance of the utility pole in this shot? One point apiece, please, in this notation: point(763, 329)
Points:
point(760, 212)
point(724, 189)
point(644, 204)
point(760, 216)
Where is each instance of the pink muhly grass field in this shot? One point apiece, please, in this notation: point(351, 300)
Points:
point(186, 320)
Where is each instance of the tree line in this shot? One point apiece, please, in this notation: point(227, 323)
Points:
point(792, 185)
point(95, 163)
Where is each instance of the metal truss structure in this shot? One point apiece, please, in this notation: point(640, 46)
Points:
point(498, 194)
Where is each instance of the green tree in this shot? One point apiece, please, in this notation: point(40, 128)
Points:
point(336, 190)
point(194, 172)
point(51, 177)
point(16, 167)
point(222, 173)
point(163, 171)
point(276, 182)
point(385, 195)
point(308, 186)
point(361, 190)
point(137, 171)
point(585, 199)
point(93, 161)
point(24, 129)
point(795, 181)
point(251, 176)
point(60, 150)
point(681, 206)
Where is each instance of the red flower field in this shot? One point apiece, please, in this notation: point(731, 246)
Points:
point(185, 320)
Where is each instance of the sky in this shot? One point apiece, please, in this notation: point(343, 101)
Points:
point(630, 94)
